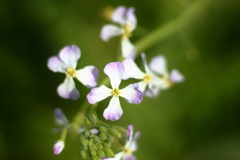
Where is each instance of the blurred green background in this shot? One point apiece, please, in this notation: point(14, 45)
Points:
point(195, 120)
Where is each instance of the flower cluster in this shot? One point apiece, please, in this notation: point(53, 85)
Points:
point(96, 137)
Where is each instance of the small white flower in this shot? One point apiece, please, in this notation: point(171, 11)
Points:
point(58, 147)
point(128, 22)
point(131, 93)
point(130, 147)
point(155, 78)
point(66, 62)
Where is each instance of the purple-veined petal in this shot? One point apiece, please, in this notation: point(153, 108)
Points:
point(142, 86)
point(128, 49)
point(131, 18)
point(129, 157)
point(114, 110)
point(68, 89)
point(109, 31)
point(130, 132)
point(132, 70)
point(70, 55)
point(114, 71)
point(153, 92)
point(58, 147)
point(132, 94)
point(119, 15)
point(118, 156)
point(88, 76)
point(133, 145)
point(60, 117)
point(176, 76)
point(55, 64)
point(98, 94)
point(159, 65)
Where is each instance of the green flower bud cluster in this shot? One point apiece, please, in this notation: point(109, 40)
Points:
point(98, 145)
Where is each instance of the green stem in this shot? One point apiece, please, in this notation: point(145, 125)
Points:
point(172, 27)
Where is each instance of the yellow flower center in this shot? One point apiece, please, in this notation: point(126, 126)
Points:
point(167, 81)
point(116, 92)
point(128, 151)
point(127, 32)
point(71, 72)
point(147, 78)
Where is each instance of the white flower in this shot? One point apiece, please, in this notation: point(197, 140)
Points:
point(66, 62)
point(58, 147)
point(127, 21)
point(131, 93)
point(155, 78)
point(130, 147)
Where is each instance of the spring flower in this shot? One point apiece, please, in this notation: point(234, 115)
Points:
point(128, 22)
point(130, 147)
point(131, 93)
point(66, 62)
point(155, 77)
point(58, 147)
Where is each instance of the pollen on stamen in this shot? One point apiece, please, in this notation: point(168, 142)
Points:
point(127, 32)
point(116, 92)
point(71, 72)
point(147, 78)
point(128, 151)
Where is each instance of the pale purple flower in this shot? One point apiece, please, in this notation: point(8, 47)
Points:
point(58, 147)
point(127, 22)
point(129, 148)
point(154, 78)
point(131, 93)
point(66, 62)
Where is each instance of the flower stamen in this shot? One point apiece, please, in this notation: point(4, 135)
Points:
point(127, 31)
point(116, 92)
point(147, 78)
point(71, 72)
point(128, 151)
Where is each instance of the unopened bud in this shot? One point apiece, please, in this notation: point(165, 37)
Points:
point(82, 140)
point(100, 146)
point(83, 154)
point(109, 139)
point(102, 129)
point(109, 153)
point(100, 153)
point(86, 133)
point(115, 132)
point(92, 118)
point(123, 130)
point(58, 147)
point(103, 136)
point(93, 152)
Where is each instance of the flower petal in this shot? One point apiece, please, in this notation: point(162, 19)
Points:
point(58, 147)
point(55, 64)
point(118, 156)
point(132, 70)
point(60, 118)
point(129, 157)
point(128, 49)
point(131, 18)
point(158, 65)
point(142, 86)
point(153, 92)
point(114, 71)
point(98, 94)
point(68, 89)
point(88, 76)
point(70, 55)
point(133, 146)
point(114, 110)
point(132, 94)
point(109, 31)
point(176, 76)
point(130, 133)
point(119, 15)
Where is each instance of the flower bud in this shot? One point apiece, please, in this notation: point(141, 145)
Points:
point(102, 129)
point(92, 118)
point(109, 152)
point(58, 147)
point(82, 140)
point(83, 154)
point(115, 132)
point(100, 153)
point(103, 136)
